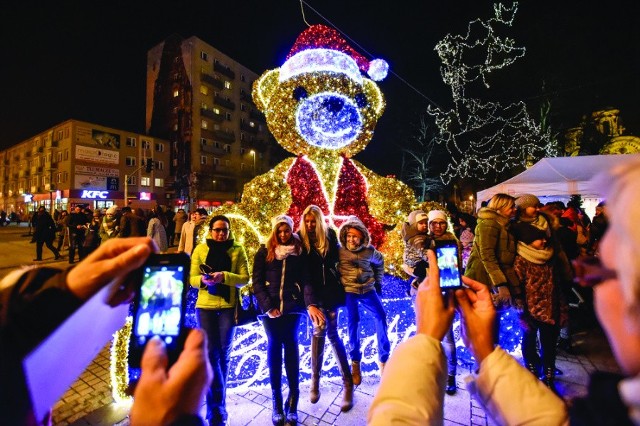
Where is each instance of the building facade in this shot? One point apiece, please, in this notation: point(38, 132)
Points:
point(80, 163)
point(200, 100)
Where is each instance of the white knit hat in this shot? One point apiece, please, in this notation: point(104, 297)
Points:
point(282, 218)
point(437, 214)
point(112, 209)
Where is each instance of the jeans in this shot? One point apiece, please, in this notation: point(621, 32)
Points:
point(371, 302)
point(449, 346)
point(219, 326)
point(282, 332)
point(75, 241)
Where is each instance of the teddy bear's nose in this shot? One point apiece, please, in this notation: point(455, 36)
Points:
point(333, 104)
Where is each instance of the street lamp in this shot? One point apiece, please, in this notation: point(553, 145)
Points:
point(253, 154)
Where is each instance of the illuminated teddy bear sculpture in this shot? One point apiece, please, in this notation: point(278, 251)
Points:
point(322, 107)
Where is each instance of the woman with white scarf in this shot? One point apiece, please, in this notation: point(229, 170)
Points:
point(282, 286)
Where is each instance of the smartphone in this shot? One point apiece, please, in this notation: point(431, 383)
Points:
point(448, 256)
point(159, 305)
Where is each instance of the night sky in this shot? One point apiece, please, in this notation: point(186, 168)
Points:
point(87, 59)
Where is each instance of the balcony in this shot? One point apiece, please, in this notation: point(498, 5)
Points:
point(37, 149)
point(211, 149)
point(246, 97)
point(224, 102)
point(51, 144)
point(224, 70)
point(212, 115)
point(24, 173)
point(225, 135)
point(209, 79)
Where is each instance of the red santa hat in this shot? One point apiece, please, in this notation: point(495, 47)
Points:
point(320, 48)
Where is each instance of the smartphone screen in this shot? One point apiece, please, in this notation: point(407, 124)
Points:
point(159, 305)
point(448, 264)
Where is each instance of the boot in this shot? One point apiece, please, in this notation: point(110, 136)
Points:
point(451, 389)
point(277, 417)
point(291, 407)
point(549, 379)
point(347, 379)
point(355, 372)
point(317, 352)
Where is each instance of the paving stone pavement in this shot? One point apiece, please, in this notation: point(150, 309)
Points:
point(88, 401)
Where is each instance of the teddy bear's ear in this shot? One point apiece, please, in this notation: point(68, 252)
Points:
point(374, 96)
point(264, 87)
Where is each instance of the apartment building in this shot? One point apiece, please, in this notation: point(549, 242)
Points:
point(199, 99)
point(80, 163)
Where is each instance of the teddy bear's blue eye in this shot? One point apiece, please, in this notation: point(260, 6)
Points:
point(361, 100)
point(299, 93)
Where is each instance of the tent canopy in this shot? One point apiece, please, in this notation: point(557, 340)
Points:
point(558, 176)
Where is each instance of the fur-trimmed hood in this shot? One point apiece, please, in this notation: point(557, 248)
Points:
point(354, 222)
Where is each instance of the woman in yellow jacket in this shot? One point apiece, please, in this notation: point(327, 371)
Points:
point(227, 268)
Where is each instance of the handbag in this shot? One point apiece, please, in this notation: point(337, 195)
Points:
point(246, 310)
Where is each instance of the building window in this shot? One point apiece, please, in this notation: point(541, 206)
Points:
point(204, 106)
point(229, 116)
point(203, 160)
point(59, 177)
point(204, 124)
point(175, 127)
point(66, 132)
point(133, 180)
point(159, 165)
point(130, 161)
point(227, 148)
point(217, 145)
point(146, 144)
point(159, 147)
point(204, 56)
point(203, 142)
point(176, 93)
point(131, 142)
point(66, 154)
point(227, 84)
point(242, 151)
point(241, 166)
point(145, 181)
point(216, 110)
point(159, 182)
point(252, 124)
point(242, 77)
point(241, 136)
point(204, 90)
point(59, 135)
point(243, 107)
point(216, 161)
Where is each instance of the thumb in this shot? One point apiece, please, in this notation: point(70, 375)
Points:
point(154, 357)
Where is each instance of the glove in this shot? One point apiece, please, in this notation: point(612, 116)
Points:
point(502, 298)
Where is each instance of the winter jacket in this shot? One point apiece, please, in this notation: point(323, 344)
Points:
point(158, 234)
point(131, 225)
point(493, 252)
point(411, 391)
point(361, 270)
point(180, 219)
point(282, 284)
point(324, 273)
point(415, 244)
point(45, 229)
point(236, 277)
point(186, 238)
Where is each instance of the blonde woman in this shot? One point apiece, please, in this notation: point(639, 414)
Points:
point(320, 244)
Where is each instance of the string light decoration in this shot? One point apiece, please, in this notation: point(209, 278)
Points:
point(485, 136)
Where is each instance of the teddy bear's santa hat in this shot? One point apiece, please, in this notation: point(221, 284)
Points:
point(320, 48)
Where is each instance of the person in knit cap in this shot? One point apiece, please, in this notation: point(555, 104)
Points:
point(539, 264)
point(109, 228)
point(361, 269)
point(415, 234)
point(282, 286)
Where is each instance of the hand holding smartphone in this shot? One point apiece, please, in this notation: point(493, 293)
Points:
point(159, 305)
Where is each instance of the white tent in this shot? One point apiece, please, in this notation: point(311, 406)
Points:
point(558, 177)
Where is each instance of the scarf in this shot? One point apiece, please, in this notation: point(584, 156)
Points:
point(283, 252)
point(219, 260)
point(533, 255)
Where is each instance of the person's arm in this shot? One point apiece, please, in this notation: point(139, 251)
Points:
point(510, 393)
point(487, 238)
point(183, 238)
point(198, 257)
point(377, 263)
point(258, 278)
point(412, 387)
point(240, 274)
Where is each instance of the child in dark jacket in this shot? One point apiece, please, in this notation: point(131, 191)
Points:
point(361, 269)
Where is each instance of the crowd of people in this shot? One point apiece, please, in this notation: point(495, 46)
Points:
point(516, 253)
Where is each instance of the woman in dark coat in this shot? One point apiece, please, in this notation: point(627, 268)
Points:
point(282, 286)
point(321, 246)
point(45, 233)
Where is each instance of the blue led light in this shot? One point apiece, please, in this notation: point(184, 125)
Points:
point(328, 120)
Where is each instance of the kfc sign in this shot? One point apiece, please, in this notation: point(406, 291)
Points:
point(94, 194)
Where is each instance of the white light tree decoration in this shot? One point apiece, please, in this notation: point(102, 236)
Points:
point(484, 137)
